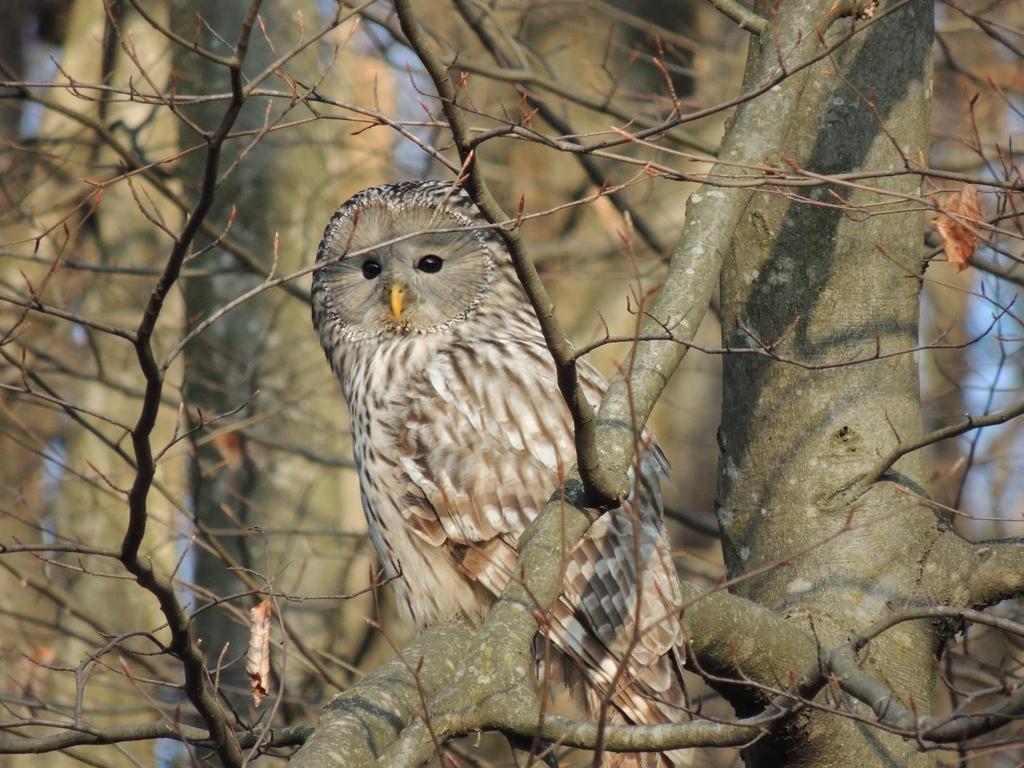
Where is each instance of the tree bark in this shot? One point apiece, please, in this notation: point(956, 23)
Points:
point(812, 282)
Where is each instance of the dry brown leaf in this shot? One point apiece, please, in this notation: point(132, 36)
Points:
point(229, 446)
point(958, 240)
point(257, 664)
point(30, 674)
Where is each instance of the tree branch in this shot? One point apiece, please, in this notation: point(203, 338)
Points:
point(357, 725)
point(891, 712)
point(80, 736)
point(998, 573)
point(711, 217)
point(183, 642)
point(743, 16)
point(974, 574)
point(472, 681)
point(969, 424)
point(558, 343)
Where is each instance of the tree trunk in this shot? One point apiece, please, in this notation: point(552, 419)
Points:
point(820, 284)
point(224, 368)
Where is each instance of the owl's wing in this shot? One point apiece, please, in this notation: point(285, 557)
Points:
point(618, 615)
point(485, 443)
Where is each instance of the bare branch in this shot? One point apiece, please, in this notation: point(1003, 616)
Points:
point(878, 472)
point(78, 735)
point(183, 642)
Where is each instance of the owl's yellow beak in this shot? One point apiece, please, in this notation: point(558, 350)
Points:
point(397, 300)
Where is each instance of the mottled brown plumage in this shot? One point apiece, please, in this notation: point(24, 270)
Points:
point(460, 435)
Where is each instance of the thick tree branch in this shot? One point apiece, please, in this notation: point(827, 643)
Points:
point(711, 217)
point(743, 16)
point(359, 724)
point(449, 668)
point(998, 573)
point(734, 638)
point(481, 681)
point(974, 574)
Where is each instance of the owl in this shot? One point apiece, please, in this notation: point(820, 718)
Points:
point(460, 435)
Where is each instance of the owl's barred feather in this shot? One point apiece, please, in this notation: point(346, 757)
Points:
point(460, 435)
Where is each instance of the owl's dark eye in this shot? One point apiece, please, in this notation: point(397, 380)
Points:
point(430, 263)
point(371, 268)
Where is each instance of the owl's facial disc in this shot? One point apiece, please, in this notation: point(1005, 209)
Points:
point(427, 272)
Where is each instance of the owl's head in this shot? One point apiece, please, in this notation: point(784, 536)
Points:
point(408, 258)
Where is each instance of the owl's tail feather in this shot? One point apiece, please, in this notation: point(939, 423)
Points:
point(646, 702)
point(648, 692)
point(618, 622)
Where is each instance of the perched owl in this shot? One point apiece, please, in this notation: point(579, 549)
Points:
point(460, 435)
